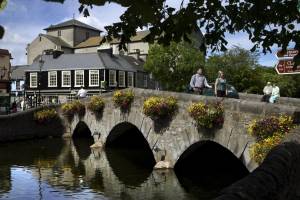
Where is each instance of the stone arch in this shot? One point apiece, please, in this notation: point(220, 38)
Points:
point(81, 130)
point(126, 134)
point(207, 158)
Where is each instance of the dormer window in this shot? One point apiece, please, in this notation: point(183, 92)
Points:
point(59, 33)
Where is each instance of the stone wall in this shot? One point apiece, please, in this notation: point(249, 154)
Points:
point(168, 140)
point(22, 126)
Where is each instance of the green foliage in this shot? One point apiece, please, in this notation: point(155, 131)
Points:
point(269, 132)
point(160, 107)
point(96, 104)
point(261, 19)
point(45, 116)
point(207, 115)
point(123, 99)
point(174, 65)
point(242, 71)
point(72, 108)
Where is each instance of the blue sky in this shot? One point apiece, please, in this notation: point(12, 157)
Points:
point(25, 19)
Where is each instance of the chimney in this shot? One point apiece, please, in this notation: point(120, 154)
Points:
point(108, 51)
point(57, 53)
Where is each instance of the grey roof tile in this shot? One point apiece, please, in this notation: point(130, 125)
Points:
point(83, 61)
point(72, 22)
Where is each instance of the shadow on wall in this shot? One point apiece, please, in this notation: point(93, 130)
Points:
point(129, 154)
point(210, 166)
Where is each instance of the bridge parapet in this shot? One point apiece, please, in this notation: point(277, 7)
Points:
point(170, 140)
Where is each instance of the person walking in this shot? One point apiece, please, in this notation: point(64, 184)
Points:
point(198, 82)
point(22, 104)
point(82, 93)
point(267, 92)
point(221, 85)
point(275, 93)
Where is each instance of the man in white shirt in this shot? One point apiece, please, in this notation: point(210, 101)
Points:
point(82, 93)
point(267, 92)
point(275, 94)
point(198, 82)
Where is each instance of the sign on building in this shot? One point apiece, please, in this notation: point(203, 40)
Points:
point(286, 64)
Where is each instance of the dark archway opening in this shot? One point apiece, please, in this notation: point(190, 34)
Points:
point(82, 139)
point(210, 167)
point(129, 154)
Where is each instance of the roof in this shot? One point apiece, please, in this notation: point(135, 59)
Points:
point(140, 35)
point(90, 42)
point(95, 41)
point(5, 52)
point(56, 40)
point(72, 22)
point(18, 72)
point(100, 60)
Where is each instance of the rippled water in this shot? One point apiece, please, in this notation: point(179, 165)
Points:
point(67, 169)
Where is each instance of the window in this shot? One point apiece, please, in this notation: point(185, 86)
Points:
point(59, 33)
point(130, 82)
point(112, 78)
point(52, 79)
point(94, 78)
point(33, 80)
point(66, 79)
point(121, 79)
point(79, 78)
point(145, 80)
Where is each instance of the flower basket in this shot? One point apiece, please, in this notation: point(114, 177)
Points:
point(72, 108)
point(45, 116)
point(123, 100)
point(207, 115)
point(160, 107)
point(96, 105)
point(268, 132)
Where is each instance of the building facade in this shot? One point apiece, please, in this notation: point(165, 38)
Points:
point(64, 37)
point(5, 69)
point(58, 79)
point(17, 92)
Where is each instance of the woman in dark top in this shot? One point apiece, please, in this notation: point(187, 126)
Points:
point(220, 85)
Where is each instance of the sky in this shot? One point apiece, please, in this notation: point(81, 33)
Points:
point(25, 19)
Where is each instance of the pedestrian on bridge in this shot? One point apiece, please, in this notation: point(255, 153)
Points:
point(267, 92)
point(198, 82)
point(275, 93)
point(221, 85)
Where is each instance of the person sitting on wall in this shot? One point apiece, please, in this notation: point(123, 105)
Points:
point(81, 93)
point(275, 94)
point(198, 82)
point(267, 92)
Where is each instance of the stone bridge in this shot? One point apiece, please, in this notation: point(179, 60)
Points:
point(168, 141)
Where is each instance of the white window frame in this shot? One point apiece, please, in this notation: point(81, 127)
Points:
point(62, 78)
point(115, 76)
point(130, 83)
point(49, 75)
point(145, 81)
point(30, 81)
point(90, 80)
point(76, 72)
point(124, 78)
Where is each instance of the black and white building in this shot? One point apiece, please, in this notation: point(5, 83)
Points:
point(57, 77)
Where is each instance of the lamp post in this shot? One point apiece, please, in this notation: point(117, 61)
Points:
point(41, 63)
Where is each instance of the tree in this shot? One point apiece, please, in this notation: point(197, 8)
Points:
point(242, 71)
point(174, 65)
point(237, 65)
point(266, 22)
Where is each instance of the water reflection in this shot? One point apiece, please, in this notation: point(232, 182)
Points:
point(69, 169)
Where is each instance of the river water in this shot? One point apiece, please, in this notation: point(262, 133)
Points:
point(68, 169)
